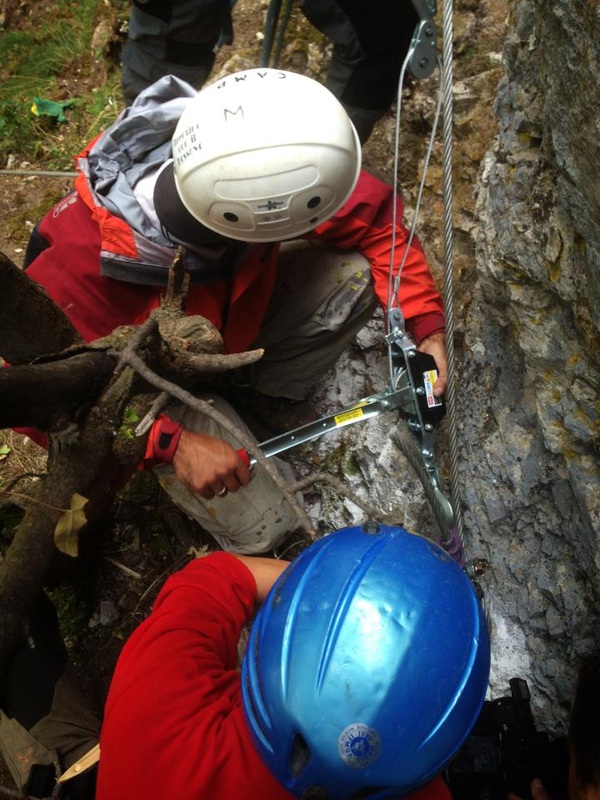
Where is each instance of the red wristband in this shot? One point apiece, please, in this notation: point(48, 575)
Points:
point(162, 441)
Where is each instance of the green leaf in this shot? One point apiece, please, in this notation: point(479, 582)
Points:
point(5, 449)
point(66, 533)
point(130, 419)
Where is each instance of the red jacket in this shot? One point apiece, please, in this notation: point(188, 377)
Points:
point(78, 231)
point(174, 724)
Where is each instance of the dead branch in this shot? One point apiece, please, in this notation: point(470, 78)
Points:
point(85, 465)
point(49, 396)
point(30, 324)
point(91, 459)
point(179, 280)
point(56, 390)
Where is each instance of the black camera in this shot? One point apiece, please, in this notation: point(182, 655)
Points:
point(505, 752)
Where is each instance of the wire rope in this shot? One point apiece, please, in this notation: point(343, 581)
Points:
point(455, 537)
point(41, 173)
point(395, 275)
point(447, 130)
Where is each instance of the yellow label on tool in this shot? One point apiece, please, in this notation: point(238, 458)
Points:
point(348, 416)
point(429, 378)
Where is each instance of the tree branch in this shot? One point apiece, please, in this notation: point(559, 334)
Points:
point(39, 326)
point(48, 396)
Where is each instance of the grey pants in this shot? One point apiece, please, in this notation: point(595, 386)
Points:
point(56, 742)
point(46, 724)
point(322, 299)
point(172, 37)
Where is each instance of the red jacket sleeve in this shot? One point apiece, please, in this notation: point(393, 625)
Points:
point(365, 223)
point(174, 724)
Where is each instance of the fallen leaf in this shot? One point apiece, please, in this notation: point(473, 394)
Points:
point(66, 533)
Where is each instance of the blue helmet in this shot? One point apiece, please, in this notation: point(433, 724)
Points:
point(366, 666)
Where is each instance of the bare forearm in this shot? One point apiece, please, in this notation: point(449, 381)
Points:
point(265, 572)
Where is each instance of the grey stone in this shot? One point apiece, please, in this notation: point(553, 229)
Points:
point(528, 360)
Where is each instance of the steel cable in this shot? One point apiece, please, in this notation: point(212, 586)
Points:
point(451, 404)
point(452, 539)
point(37, 173)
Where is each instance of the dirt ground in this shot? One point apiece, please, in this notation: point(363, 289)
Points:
point(146, 539)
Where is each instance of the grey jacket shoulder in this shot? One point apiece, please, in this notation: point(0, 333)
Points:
point(138, 142)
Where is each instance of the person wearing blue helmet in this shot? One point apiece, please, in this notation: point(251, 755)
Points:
point(365, 670)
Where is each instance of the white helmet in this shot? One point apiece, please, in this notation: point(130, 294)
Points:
point(264, 155)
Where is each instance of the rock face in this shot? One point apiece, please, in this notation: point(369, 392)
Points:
point(532, 350)
point(527, 349)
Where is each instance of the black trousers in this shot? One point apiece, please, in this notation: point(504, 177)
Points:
point(370, 42)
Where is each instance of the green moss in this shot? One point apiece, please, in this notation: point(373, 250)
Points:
point(10, 518)
point(341, 461)
point(553, 269)
point(72, 612)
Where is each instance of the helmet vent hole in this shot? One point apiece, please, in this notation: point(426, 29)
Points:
point(366, 792)
point(313, 202)
point(231, 217)
point(314, 220)
point(315, 793)
point(300, 755)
